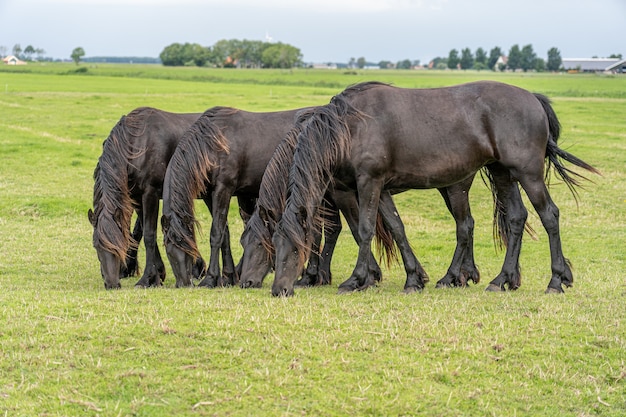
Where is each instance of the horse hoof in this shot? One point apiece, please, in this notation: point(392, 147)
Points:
point(551, 290)
point(411, 290)
point(345, 290)
point(494, 288)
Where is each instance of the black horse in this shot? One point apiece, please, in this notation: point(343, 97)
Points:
point(375, 137)
point(226, 150)
point(129, 177)
point(258, 255)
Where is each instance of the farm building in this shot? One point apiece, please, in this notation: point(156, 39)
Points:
point(594, 65)
point(13, 60)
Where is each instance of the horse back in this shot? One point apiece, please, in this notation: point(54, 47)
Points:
point(412, 136)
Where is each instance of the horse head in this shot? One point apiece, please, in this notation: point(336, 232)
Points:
point(258, 251)
point(111, 263)
point(182, 261)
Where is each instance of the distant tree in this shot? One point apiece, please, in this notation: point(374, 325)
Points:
point(515, 58)
point(481, 57)
point(453, 59)
point(17, 50)
point(352, 63)
point(439, 63)
point(554, 60)
point(3, 50)
point(280, 55)
point(494, 55)
point(172, 55)
point(77, 54)
point(617, 56)
point(540, 64)
point(40, 52)
point(467, 59)
point(404, 64)
point(528, 58)
point(197, 54)
point(360, 62)
point(29, 51)
point(385, 64)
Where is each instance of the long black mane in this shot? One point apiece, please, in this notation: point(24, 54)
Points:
point(323, 142)
point(113, 207)
point(188, 176)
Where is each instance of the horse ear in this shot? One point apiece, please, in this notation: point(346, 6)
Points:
point(165, 222)
point(92, 217)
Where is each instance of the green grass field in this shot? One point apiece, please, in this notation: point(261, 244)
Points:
point(68, 347)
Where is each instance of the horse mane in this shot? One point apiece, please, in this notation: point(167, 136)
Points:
point(323, 143)
point(189, 171)
point(273, 188)
point(112, 204)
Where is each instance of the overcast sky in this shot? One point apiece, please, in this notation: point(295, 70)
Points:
point(323, 30)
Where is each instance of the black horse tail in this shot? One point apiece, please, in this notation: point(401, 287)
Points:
point(385, 243)
point(555, 155)
point(501, 230)
point(188, 176)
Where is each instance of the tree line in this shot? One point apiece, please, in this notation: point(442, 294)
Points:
point(523, 58)
point(233, 53)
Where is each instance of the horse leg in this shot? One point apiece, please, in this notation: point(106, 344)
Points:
point(369, 191)
point(132, 263)
point(309, 275)
point(548, 212)
point(332, 230)
point(348, 205)
point(229, 275)
point(416, 276)
point(154, 273)
point(462, 267)
point(513, 215)
point(220, 203)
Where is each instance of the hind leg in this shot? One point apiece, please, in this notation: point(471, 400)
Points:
point(511, 218)
point(549, 214)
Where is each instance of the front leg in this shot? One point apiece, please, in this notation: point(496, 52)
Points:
point(220, 204)
point(416, 277)
point(369, 195)
point(462, 267)
point(132, 263)
point(154, 273)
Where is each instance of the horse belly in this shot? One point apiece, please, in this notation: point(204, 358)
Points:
point(425, 167)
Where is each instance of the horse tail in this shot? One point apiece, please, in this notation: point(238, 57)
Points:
point(555, 155)
point(385, 243)
point(113, 206)
point(501, 228)
point(189, 172)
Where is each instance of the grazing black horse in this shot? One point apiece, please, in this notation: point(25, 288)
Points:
point(258, 255)
point(375, 137)
point(225, 150)
point(129, 177)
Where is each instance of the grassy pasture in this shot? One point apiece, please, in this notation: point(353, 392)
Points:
point(67, 347)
